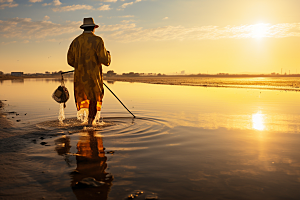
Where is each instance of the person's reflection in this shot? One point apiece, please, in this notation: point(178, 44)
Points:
point(91, 162)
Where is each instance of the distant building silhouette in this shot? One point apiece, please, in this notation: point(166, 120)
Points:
point(17, 73)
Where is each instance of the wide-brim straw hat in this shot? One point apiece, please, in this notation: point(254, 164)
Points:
point(88, 22)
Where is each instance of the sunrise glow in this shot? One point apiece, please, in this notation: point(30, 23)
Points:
point(259, 30)
point(215, 36)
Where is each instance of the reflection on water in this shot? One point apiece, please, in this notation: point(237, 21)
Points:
point(21, 80)
point(110, 81)
point(258, 121)
point(90, 165)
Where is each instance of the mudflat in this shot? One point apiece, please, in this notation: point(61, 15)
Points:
point(272, 83)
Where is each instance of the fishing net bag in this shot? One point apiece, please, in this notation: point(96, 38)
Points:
point(61, 94)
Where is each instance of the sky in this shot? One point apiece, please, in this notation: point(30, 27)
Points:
point(155, 36)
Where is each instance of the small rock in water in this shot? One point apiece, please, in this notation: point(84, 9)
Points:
point(89, 182)
point(152, 196)
point(42, 138)
point(34, 141)
point(18, 120)
point(110, 152)
point(25, 114)
point(43, 143)
point(138, 192)
point(135, 194)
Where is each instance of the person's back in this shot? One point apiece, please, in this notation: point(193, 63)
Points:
point(87, 54)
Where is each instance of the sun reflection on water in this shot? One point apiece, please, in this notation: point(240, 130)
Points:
point(258, 121)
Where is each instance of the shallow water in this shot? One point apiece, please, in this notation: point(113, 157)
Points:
point(186, 142)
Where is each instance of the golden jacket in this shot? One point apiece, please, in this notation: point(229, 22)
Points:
point(87, 54)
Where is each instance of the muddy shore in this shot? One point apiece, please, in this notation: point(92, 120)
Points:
point(16, 181)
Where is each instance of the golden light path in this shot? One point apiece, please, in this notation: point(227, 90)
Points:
point(258, 121)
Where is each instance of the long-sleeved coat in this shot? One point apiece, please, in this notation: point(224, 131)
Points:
point(87, 54)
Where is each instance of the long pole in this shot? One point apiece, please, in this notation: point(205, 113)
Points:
point(109, 90)
point(119, 100)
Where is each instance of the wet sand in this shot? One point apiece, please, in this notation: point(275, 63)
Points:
point(15, 169)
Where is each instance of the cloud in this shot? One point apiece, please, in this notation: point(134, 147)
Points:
point(56, 2)
point(25, 28)
point(132, 33)
point(127, 31)
point(72, 8)
point(104, 7)
point(165, 18)
point(127, 21)
point(116, 27)
point(7, 3)
point(126, 16)
point(126, 4)
point(6, 43)
point(34, 1)
point(46, 18)
point(109, 1)
point(47, 4)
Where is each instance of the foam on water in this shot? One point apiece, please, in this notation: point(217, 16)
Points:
point(82, 115)
point(61, 115)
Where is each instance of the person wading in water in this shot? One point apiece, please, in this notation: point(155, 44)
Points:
point(87, 54)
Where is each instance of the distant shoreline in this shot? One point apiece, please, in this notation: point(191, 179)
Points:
point(122, 77)
point(9, 77)
point(290, 83)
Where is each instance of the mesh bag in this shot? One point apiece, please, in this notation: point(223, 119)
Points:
point(61, 94)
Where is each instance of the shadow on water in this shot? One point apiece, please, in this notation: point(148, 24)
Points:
point(89, 179)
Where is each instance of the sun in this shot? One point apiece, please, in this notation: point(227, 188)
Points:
point(259, 30)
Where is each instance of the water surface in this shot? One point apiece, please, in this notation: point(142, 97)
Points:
point(186, 142)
